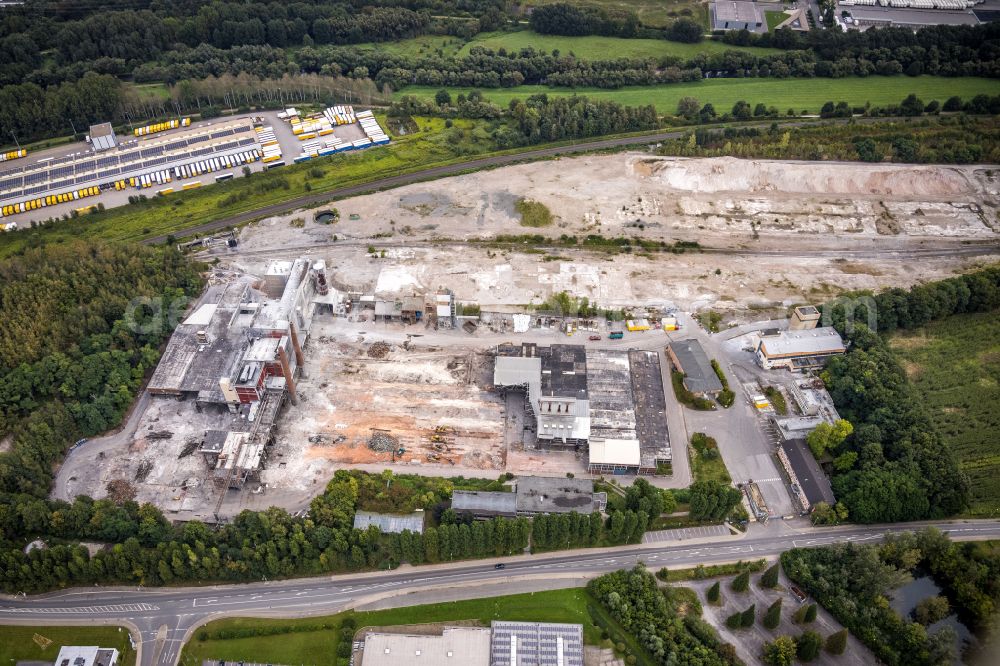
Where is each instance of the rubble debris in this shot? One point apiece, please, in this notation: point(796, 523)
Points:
point(141, 472)
point(121, 491)
point(160, 434)
point(382, 442)
point(190, 446)
point(378, 350)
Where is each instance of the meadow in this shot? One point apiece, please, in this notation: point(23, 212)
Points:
point(19, 643)
point(798, 94)
point(954, 364)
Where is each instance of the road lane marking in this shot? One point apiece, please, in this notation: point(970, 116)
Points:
point(87, 610)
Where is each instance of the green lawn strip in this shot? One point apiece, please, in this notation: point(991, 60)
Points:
point(318, 646)
point(656, 13)
point(423, 46)
point(602, 48)
point(774, 19)
point(798, 94)
point(17, 644)
point(712, 571)
point(954, 364)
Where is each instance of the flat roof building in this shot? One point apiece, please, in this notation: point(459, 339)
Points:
point(102, 137)
point(86, 655)
point(736, 15)
point(390, 523)
point(542, 494)
point(535, 644)
point(484, 504)
point(461, 646)
point(799, 350)
point(689, 358)
point(809, 482)
point(804, 317)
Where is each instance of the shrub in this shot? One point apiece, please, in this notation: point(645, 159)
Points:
point(714, 594)
point(734, 621)
point(836, 643)
point(773, 616)
point(770, 577)
point(807, 645)
point(748, 616)
point(742, 582)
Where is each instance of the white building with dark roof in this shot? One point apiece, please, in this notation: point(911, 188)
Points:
point(390, 523)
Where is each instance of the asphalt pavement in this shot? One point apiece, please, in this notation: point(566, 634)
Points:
point(164, 618)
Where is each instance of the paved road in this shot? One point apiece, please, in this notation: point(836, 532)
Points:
point(164, 618)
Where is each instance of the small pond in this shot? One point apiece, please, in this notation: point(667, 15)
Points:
point(905, 599)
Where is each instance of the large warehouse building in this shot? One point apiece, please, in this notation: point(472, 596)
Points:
point(610, 402)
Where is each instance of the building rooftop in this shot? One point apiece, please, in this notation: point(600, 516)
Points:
point(535, 644)
point(813, 481)
point(699, 376)
point(650, 407)
point(86, 655)
point(461, 646)
point(609, 387)
point(390, 523)
point(731, 10)
point(540, 494)
point(101, 130)
point(823, 340)
point(476, 501)
point(564, 371)
point(615, 452)
point(807, 310)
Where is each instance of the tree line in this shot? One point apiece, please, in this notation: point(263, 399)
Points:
point(902, 469)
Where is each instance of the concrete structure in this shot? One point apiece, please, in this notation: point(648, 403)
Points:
point(799, 350)
point(241, 350)
point(554, 380)
point(689, 358)
point(532, 495)
point(736, 15)
point(461, 646)
point(484, 504)
point(804, 317)
point(536, 644)
point(91, 655)
point(102, 137)
point(390, 523)
point(913, 14)
point(577, 395)
point(808, 480)
point(541, 494)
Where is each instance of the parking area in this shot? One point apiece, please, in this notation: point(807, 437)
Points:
point(686, 533)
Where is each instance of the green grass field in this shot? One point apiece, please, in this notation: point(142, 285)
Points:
point(319, 646)
point(955, 365)
point(798, 94)
point(17, 644)
point(425, 45)
point(775, 18)
point(601, 48)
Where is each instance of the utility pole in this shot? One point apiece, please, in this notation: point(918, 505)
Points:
point(15, 140)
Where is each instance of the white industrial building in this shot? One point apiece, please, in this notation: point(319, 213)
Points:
point(86, 655)
point(799, 350)
point(736, 15)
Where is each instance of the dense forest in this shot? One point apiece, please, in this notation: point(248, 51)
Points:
point(70, 359)
point(852, 582)
point(894, 465)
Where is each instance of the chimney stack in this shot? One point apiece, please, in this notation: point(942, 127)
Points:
point(300, 359)
point(286, 369)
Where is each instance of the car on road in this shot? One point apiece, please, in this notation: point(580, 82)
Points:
point(500, 566)
point(594, 337)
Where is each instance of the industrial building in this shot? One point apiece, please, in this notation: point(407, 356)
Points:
point(502, 644)
point(536, 644)
point(736, 15)
point(554, 380)
point(609, 401)
point(462, 646)
point(809, 483)
point(89, 655)
point(239, 351)
point(533, 495)
point(390, 523)
point(799, 350)
point(689, 358)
